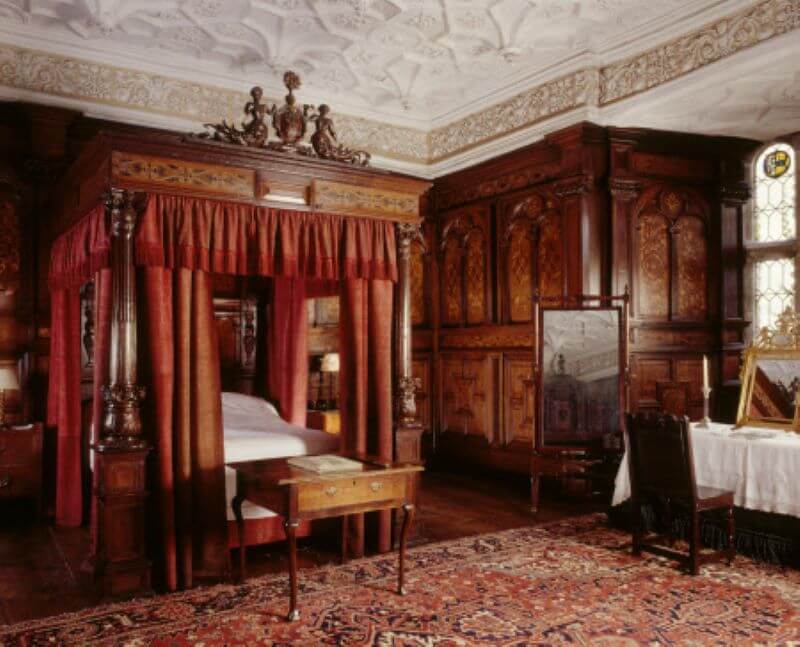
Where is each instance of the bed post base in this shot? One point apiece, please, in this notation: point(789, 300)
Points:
point(119, 486)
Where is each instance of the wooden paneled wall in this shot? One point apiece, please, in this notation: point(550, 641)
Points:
point(588, 210)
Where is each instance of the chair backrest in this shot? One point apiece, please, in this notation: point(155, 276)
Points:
point(660, 457)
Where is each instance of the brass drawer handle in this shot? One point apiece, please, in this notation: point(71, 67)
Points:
point(331, 491)
point(5, 482)
point(376, 486)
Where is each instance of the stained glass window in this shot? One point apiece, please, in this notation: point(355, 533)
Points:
point(775, 187)
point(773, 237)
point(774, 290)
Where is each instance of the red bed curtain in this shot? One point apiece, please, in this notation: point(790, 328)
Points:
point(74, 259)
point(365, 387)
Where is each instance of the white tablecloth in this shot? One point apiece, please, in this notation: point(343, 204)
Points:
point(761, 466)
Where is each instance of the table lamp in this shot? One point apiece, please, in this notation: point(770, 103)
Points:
point(9, 381)
point(330, 364)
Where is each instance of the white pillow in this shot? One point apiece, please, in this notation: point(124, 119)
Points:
point(247, 404)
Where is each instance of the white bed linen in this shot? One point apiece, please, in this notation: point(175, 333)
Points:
point(255, 434)
point(759, 465)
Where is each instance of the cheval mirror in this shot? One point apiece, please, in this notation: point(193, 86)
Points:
point(770, 395)
point(580, 372)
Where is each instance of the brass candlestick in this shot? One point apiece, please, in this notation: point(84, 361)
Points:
point(704, 423)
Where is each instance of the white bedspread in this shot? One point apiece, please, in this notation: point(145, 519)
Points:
point(258, 432)
point(761, 466)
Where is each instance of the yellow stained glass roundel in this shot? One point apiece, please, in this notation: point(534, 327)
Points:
point(776, 163)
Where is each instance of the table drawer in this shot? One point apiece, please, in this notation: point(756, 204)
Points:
point(18, 481)
point(350, 491)
point(19, 447)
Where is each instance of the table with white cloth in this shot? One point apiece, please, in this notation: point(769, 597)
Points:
point(761, 466)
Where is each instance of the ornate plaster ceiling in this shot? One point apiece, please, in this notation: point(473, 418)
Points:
point(427, 86)
point(412, 60)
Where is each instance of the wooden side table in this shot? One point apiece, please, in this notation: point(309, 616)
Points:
point(327, 421)
point(21, 463)
point(298, 495)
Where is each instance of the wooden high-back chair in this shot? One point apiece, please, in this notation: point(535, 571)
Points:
point(661, 465)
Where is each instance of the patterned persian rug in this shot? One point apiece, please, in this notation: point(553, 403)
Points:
point(573, 582)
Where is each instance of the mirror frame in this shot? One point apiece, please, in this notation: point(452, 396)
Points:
point(780, 342)
point(580, 302)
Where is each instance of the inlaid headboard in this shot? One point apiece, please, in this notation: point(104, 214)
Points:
point(237, 330)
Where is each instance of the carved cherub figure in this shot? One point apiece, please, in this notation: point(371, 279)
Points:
point(324, 138)
point(255, 132)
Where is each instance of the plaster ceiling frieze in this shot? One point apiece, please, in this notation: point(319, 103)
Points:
point(525, 109)
point(698, 49)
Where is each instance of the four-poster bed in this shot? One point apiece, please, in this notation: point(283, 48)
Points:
point(150, 219)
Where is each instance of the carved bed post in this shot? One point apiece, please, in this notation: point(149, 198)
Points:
point(408, 429)
point(119, 486)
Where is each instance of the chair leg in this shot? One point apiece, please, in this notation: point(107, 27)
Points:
point(694, 544)
point(636, 524)
point(731, 537)
point(668, 520)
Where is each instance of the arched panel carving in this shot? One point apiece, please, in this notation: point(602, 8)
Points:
point(654, 266)
point(417, 284)
point(672, 254)
point(475, 276)
point(519, 260)
point(691, 274)
point(550, 258)
point(451, 279)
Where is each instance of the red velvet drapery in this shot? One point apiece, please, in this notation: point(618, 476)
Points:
point(183, 412)
point(287, 349)
point(180, 241)
point(233, 238)
point(365, 385)
point(74, 259)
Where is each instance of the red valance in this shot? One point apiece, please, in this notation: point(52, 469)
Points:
point(233, 238)
point(80, 252)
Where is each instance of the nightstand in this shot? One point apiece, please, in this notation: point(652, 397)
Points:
point(328, 421)
point(21, 463)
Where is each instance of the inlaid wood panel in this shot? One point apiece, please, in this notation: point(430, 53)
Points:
point(692, 261)
point(465, 267)
point(518, 396)
point(520, 280)
point(467, 387)
point(653, 288)
point(475, 277)
point(551, 257)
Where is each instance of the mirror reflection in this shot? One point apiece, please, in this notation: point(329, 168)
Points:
point(776, 381)
point(580, 375)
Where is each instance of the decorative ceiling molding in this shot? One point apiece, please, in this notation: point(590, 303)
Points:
point(119, 91)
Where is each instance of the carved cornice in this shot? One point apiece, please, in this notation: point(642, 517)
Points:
point(734, 193)
point(624, 189)
point(573, 186)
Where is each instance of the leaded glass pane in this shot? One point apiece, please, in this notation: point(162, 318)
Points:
point(774, 213)
point(774, 290)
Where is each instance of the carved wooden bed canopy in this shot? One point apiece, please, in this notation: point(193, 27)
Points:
point(117, 167)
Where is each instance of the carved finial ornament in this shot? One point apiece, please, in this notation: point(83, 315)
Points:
point(290, 122)
point(785, 335)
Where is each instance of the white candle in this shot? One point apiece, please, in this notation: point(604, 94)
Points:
point(705, 372)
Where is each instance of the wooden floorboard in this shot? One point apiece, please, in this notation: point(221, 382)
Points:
point(41, 566)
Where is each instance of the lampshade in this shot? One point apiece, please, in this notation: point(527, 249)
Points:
point(330, 363)
point(9, 379)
